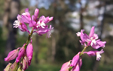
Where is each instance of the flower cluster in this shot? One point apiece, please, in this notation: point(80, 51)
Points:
point(23, 55)
point(86, 40)
point(39, 25)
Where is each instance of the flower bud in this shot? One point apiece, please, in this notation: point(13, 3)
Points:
point(21, 53)
point(29, 52)
point(75, 60)
point(7, 67)
point(14, 67)
point(36, 13)
point(12, 55)
point(19, 68)
point(78, 66)
point(25, 63)
point(65, 66)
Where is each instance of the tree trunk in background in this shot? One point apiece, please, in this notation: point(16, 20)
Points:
point(53, 34)
point(101, 26)
point(81, 25)
point(11, 11)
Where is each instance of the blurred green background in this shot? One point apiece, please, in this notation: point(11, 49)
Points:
point(70, 16)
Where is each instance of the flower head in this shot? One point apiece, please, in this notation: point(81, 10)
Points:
point(39, 25)
point(91, 39)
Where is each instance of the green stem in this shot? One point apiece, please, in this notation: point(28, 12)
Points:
point(80, 55)
point(83, 50)
point(28, 40)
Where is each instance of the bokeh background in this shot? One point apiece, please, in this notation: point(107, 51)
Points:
point(70, 16)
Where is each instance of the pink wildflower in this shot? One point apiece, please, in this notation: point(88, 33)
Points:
point(91, 39)
point(20, 24)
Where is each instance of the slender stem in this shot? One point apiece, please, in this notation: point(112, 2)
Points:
point(83, 50)
point(80, 55)
point(29, 37)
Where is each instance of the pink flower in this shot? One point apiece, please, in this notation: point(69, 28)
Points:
point(29, 52)
point(21, 53)
point(91, 39)
point(65, 66)
point(39, 25)
point(12, 55)
point(97, 53)
point(20, 24)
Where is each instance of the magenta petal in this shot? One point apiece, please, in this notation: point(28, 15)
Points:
point(96, 46)
point(25, 18)
point(42, 18)
point(78, 66)
point(29, 51)
point(12, 55)
point(50, 18)
point(92, 31)
point(91, 53)
point(32, 24)
point(75, 60)
point(27, 10)
point(36, 13)
point(21, 53)
point(101, 43)
point(20, 19)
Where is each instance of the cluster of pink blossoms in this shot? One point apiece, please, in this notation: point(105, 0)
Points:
point(86, 40)
point(24, 54)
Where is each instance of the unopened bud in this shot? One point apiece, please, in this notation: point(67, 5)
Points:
point(7, 67)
